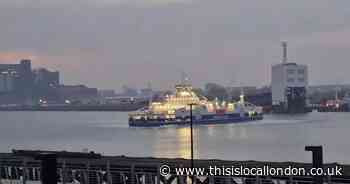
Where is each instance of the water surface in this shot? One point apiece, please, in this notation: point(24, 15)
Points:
point(276, 138)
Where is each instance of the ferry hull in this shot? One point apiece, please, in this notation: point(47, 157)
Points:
point(159, 123)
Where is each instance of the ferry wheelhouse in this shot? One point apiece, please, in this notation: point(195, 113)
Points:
point(175, 110)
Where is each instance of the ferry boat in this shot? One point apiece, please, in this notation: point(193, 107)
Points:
point(176, 110)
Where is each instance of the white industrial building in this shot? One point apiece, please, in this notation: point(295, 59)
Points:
point(289, 82)
point(286, 75)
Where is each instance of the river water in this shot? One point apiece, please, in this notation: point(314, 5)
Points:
point(276, 138)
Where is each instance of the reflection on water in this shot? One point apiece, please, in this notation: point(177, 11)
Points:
point(179, 145)
point(176, 142)
point(184, 142)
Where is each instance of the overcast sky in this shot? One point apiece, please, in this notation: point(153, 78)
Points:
point(108, 43)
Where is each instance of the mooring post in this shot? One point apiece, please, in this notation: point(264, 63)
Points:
point(317, 161)
point(48, 168)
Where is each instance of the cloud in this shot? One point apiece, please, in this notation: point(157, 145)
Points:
point(14, 57)
point(86, 3)
point(331, 39)
point(111, 43)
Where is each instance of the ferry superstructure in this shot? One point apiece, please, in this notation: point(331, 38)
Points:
point(175, 110)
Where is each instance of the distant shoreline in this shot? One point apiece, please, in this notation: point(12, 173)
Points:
point(124, 108)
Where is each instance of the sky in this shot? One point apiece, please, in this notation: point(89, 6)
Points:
point(110, 43)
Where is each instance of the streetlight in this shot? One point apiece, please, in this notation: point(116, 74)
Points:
point(191, 123)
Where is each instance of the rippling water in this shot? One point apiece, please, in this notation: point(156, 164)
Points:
point(276, 138)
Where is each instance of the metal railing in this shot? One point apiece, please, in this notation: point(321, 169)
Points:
point(126, 170)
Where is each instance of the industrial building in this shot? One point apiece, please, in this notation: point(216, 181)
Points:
point(46, 78)
point(16, 77)
point(19, 84)
point(16, 83)
point(78, 93)
point(7, 81)
point(289, 82)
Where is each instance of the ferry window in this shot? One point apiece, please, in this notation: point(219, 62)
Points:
point(301, 71)
point(290, 80)
point(301, 80)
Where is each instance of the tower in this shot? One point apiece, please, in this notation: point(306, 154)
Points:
point(284, 47)
point(289, 83)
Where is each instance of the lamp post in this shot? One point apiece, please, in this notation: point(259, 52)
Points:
point(191, 123)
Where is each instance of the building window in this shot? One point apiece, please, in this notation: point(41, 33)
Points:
point(301, 80)
point(290, 71)
point(301, 71)
point(290, 80)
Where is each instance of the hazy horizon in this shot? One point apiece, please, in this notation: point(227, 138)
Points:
point(109, 43)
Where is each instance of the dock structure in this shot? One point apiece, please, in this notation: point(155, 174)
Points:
point(25, 167)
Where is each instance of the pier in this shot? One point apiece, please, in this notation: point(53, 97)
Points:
point(90, 168)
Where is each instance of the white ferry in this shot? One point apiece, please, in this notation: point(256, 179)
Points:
point(176, 109)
